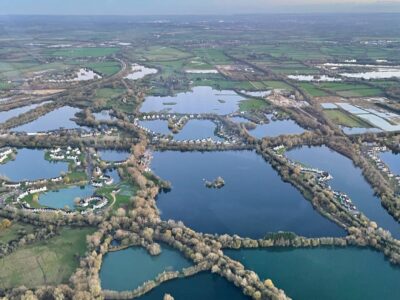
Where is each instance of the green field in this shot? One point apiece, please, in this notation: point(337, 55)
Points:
point(107, 93)
point(12, 233)
point(198, 64)
point(46, 262)
point(160, 53)
point(351, 90)
point(105, 68)
point(77, 176)
point(342, 118)
point(252, 104)
point(4, 85)
point(123, 198)
point(85, 52)
point(213, 56)
point(271, 84)
point(312, 89)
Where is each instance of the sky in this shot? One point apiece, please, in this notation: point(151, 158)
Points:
point(192, 7)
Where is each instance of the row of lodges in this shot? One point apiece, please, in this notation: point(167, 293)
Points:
point(373, 154)
point(31, 192)
point(5, 154)
point(68, 154)
point(195, 142)
point(345, 201)
point(97, 202)
point(14, 185)
point(104, 130)
point(150, 117)
point(322, 178)
point(102, 180)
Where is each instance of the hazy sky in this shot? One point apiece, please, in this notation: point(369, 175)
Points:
point(159, 7)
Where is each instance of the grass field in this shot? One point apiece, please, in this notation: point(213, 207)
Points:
point(197, 64)
point(105, 68)
point(218, 82)
point(341, 118)
point(107, 93)
point(252, 104)
point(84, 52)
point(351, 90)
point(213, 56)
point(47, 262)
point(312, 90)
point(11, 233)
point(159, 53)
point(123, 198)
point(75, 176)
point(4, 85)
point(271, 84)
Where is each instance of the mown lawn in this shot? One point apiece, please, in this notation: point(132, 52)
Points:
point(46, 262)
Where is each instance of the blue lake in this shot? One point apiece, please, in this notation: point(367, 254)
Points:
point(199, 287)
point(114, 175)
point(5, 115)
point(392, 160)
point(276, 128)
point(324, 273)
point(253, 202)
point(31, 165)
point(201, 99)
point(129, 268)
point(348, 179)
point(103, 115)
point(239, 120)
point(65, 197)
point(56, 119)
point(113, 155)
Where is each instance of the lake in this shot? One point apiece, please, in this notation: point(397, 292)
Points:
point(391, 160)
point(31, 165)
point(139, 72)
point(324, 273)
point(103, 115)
point(348, 179)
point(199, 287)
point(129, 268)
point(5, 115)
point(113, 155)
point(276, 128)
point(194, 129)
point(253, 202)
point(65, 197)
point(56, 119)
point(114, 175)
point(200, 100)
